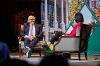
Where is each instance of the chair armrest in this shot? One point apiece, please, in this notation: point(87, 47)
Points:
point(67, 43)
point(69, 36)
point(65, 37)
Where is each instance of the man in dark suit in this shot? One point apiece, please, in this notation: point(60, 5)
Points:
point(32, 33)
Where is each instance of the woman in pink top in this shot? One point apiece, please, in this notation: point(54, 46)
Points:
point(79, 21)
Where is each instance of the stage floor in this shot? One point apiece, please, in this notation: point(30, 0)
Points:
point(35, 59)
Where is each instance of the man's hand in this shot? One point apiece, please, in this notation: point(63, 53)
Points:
point(32, 37)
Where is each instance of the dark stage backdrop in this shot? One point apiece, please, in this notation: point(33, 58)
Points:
point(8, 10)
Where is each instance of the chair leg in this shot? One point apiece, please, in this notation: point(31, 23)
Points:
point(45, 53)
point(40, 53)
point(79, 56)
point(67, 55)
point(85, 55)
point(20, 51)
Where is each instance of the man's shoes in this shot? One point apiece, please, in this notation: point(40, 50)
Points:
point(28, 53)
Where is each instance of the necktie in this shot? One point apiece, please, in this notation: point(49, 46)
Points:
point(31, 29)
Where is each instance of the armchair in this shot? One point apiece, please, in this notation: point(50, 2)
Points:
point(76, 44)
point(38, 48)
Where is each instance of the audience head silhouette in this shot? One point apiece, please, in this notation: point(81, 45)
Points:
point(6, 60)
point(54, 60)
point(4, 52)
point(16, 62)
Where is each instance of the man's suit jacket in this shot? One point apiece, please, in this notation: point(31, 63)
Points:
point(38, 30)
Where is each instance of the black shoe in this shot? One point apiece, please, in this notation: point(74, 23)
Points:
point(45, 46)
point(29, 54)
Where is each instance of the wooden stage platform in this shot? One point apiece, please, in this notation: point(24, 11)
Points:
point(35, 59)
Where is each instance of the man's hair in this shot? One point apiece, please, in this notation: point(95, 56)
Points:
point(31, 16)
point(79, 17)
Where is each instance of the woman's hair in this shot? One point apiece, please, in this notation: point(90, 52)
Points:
point(79, 17)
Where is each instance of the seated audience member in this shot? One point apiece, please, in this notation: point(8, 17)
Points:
point(54, 60)
point(6, 60)
point(17, 62)
point(4, 52)
point(75, 29)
